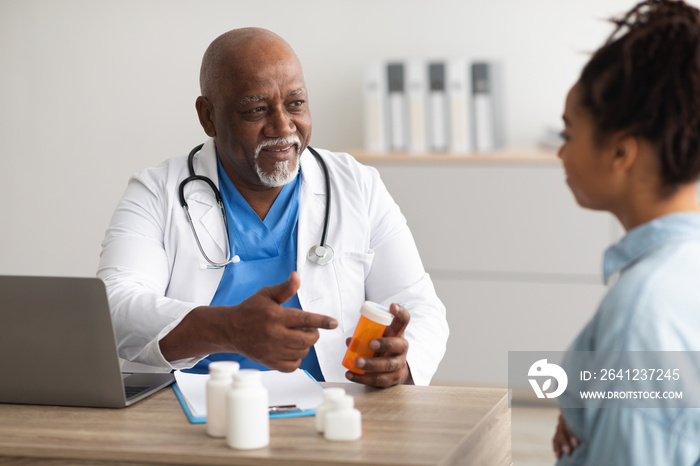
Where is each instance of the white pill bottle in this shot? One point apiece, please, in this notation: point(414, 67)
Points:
point(219, 384)
point(343, 422)
point(330, 396)
point(248, 416)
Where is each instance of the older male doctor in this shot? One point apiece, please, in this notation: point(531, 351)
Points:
point(273, 308)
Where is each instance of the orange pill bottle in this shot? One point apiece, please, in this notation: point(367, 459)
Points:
point(374, 319)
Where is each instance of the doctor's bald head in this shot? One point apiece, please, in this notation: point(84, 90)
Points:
point(231, 55)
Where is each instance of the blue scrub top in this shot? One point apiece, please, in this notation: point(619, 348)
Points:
point(268, 252)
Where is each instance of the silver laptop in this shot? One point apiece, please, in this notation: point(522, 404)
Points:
point(57, 346)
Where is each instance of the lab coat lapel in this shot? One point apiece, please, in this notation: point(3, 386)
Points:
point(319, 291)
point(204, 210)
point(312, 205)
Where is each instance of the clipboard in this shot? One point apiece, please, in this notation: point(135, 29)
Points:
point(291, 394)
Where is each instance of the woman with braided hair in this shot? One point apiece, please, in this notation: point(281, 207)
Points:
point(632, 148)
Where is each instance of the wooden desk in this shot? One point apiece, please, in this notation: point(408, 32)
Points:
point(403, 425)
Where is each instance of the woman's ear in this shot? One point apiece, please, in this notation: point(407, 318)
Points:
point(205, 111)
point(625, 151)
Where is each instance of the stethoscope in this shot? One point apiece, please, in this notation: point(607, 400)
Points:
point(320, 254)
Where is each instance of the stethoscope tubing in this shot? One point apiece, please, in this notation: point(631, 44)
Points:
point(327, 217)
point(313, 256)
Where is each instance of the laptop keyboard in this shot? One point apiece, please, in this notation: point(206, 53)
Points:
point(133, 390)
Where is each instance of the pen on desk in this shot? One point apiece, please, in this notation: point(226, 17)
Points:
point(284, 409)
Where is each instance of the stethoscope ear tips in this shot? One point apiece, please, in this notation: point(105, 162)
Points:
point(321, 255)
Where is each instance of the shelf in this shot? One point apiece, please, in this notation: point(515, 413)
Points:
point(501, 156)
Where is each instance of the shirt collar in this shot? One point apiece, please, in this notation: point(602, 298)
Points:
point(648, 237)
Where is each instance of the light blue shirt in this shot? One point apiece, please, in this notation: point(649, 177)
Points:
point(653, 306)
point(268, 252)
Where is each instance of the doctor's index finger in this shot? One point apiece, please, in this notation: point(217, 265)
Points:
point(302, 319)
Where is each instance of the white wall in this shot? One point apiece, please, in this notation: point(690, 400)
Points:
point(92, 91)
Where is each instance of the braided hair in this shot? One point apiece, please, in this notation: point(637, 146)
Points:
point(645, 81)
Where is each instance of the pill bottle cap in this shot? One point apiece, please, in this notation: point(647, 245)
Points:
point(333, 393)
point(223, 368)
point(247, 378)
point(344, 402)
point(377, 313)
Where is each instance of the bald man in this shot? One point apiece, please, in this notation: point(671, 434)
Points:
point(270, 307)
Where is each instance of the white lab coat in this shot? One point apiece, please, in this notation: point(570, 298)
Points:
point(151, 265)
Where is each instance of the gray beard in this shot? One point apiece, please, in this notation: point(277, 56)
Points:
point(282, 172)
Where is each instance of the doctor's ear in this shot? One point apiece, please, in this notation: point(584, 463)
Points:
point(205, 111)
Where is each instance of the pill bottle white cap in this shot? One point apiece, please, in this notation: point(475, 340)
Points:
point(377, 313)
point(223, 367)
point(345, 402)
point(333, 393)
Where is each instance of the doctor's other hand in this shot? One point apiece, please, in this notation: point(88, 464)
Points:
point(275, 336)
point(388, 367)
point(564, 441)
point(258, 328)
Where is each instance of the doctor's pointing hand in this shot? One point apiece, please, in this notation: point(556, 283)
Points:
point(259, 328)
point(261, 249)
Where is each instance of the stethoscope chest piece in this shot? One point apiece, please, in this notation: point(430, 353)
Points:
point(321, 255)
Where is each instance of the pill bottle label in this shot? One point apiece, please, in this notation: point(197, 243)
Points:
point(366, 331)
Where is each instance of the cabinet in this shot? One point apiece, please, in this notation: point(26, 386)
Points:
point(515, 260)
